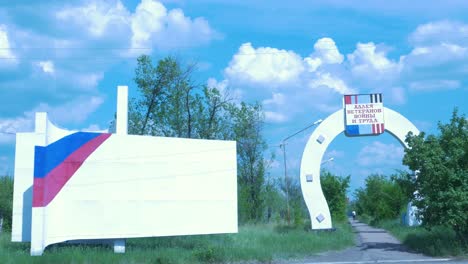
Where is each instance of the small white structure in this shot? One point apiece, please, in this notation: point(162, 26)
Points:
point(361, 122)
point(71, 185)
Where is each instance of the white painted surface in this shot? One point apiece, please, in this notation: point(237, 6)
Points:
point(139, 186)
point(122, 110)
point(22, 187)
point(131, 186)
point(163, 186)
point(332, 126)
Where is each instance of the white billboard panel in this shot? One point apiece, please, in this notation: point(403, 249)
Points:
point(80, 185)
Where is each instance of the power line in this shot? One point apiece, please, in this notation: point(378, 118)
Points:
point(277, 52)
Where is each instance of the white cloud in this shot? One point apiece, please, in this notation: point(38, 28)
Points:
point(440, 46)
point(88, 80)
point(225, 90)
point(334, 154)
point(327, 80)
point(277, 99)
point(326, 50)
point(10, 126)
point(379, 153)
point(264, 65)
point(433, 85)
point(151, 25)
point(147, 20)
point(437, 32)
point(274, 117)
point(286, 83)
point(97, 17)
point(432, 56)
point(5, 50)
point(47, 66)
point(74, 111)
point(221, 86)
point(368, 63)
point(312, 64)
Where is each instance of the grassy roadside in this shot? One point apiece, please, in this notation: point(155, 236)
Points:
point(262, 243)
point(440, 241)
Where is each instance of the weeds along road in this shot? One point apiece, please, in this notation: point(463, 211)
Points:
point(373, 245)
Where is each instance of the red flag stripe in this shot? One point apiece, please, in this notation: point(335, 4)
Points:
point(347, 99)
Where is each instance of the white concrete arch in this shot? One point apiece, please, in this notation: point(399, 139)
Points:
point(329, 129)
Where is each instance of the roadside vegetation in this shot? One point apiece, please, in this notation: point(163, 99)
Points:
point(6, 202)
point(440, 192)
point(261, 242)
point(438, 241)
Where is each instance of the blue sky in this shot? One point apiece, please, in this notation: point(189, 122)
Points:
point(295, 57)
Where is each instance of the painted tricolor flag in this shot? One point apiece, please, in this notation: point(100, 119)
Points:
point(55, 164)
point(364, 114)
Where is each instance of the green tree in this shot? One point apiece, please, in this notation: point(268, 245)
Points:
point(215, 119)
point(441, 163)
point(170, 104)
point(292, 197)
point(6, 201)
point(275, 202)
point(381, 198)
point(405, 181)
point(155, 84)
point(334, 189)
point(247, 124)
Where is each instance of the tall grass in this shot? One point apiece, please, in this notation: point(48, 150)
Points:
point(439, 241)
point(253, 243)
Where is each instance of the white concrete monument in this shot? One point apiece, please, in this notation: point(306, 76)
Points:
point(71, 185)
point(362, 114)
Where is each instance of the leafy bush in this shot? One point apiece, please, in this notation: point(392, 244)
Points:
point(6, 201)
point(442, 182)
point(439, 241)
point(334, 188)
point(381, 199)
point(364, 218)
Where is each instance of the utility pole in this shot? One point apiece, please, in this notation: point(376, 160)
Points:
point(283, 145)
